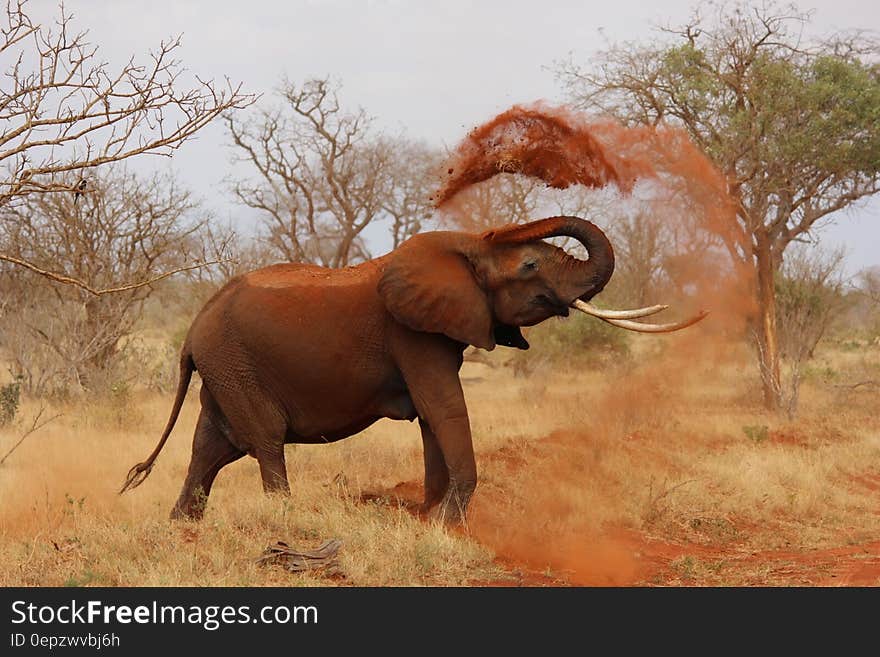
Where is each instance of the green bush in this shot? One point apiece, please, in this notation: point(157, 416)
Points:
point(824, 373)
point(757, 433)
point(577, 337)
point(580, 334)
point(10, 396)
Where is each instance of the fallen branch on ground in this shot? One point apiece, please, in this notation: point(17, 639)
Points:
point(853, 386)
point(324, 558)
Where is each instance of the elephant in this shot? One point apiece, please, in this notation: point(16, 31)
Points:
point(297, 353)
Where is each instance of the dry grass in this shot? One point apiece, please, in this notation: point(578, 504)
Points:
point(62, 522)
point(585, 475)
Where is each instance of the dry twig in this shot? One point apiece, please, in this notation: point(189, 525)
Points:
point(36, 425)
point(69, 280)
point(324, 558)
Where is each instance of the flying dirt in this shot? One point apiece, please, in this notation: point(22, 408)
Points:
point(544, 143)
point(563, 148)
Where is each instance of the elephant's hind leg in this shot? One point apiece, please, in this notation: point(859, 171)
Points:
point(273, 469)
point(261, 429)
point(211, 451)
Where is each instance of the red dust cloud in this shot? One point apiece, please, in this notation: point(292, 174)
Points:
point(542, 143)
point(562, 148)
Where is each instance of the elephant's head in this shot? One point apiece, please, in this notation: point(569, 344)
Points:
point(480, 288)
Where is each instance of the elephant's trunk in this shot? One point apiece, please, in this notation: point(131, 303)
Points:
point(582, 279)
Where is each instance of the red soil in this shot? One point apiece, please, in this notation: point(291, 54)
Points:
point(627, 557)
point(870, 481)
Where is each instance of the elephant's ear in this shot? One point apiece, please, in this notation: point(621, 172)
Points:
point(434, 289)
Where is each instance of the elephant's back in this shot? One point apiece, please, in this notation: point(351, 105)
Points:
point(299, 333)
point(292, 275)
point(290, 313)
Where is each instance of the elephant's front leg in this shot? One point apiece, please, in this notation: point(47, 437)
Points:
point(429, 364)
point(454, 437)
point(436, 472)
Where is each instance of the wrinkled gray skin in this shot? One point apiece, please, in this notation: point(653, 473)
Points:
point(301, 354)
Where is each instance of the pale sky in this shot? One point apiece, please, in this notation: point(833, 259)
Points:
point(430, 69)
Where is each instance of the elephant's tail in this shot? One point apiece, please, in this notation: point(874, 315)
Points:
point(141, 471)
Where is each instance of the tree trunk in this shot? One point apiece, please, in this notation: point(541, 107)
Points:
point(765, 324)
point(102, 340)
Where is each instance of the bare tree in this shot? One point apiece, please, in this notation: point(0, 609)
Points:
point(127, 228)
point(64, 111)
point(230, 252)
point(503, 199)
point(869, 284)
point(323, 175)
point(866, 306)
point(233, 252)
point(642, 246)
point(809, 293)
point(414, 176)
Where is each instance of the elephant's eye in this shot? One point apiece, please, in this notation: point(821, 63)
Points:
point(530, 265)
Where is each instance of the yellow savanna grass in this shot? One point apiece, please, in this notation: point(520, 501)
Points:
point(676, 448)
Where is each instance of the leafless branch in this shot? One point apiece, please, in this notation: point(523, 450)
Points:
point(857, 385)
point(36, 425)
point(68, 280)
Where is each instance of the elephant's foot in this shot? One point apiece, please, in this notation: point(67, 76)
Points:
point(191, 507)
point(452, 518)
point(425, 508)
point(432, 499)
point(178, 513)
point(452, 509)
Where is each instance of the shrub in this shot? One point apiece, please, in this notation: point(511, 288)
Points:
point(757, 433)
point(10, 396)
point(575, 338)
point(578, 336)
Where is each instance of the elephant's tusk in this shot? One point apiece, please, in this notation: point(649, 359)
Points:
point(657, 328)
point(646, 328)
point(601, 313)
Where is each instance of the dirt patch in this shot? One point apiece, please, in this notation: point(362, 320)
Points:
point(856, 565)
point(549, 510)
point(780, 437)
point(631, 558)
point(869, 480)
point(407, 495)
point(706, 552)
